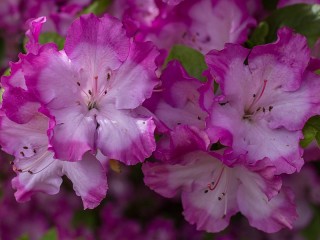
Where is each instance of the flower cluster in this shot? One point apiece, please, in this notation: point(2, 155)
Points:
point(111, 96)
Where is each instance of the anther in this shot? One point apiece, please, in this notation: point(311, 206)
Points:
point(222, 104)
point(90, 93)
point(270, 108)
point(78, 84)
point(29, 171)
point(108, 76)
point(199, 118)
point(22, 153)
point(25, 147)
point(34, 151)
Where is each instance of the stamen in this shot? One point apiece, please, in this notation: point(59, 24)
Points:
point(158, 90)
point(212, 186)
point(32, 165)
point(256, 98)
point(95, 84)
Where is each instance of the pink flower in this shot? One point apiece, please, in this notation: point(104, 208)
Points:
point(201, 24)
point(177, 100)
point(213, 191)
point(93, 90)
point(266, 97)
point(37, 169)
point(15, 13)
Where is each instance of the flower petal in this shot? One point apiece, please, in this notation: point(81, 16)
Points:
point(97, 43)
point(45, 175)
point(88, 178)
point(268, 216)
point(124, 135)
point(134, 81)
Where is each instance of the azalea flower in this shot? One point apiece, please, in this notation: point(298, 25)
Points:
point(177, 100)
point(212, 190)
point(267, 95)
point(93, 91)
point(198, 24)
point(37, 169)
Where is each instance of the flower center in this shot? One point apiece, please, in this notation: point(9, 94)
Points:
point(93, 95)
point(254, 107)
point(214, 184)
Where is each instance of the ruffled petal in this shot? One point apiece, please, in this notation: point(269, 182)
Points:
point(21, 140)
point(33, 34)
point(281, 63)
point(177, 103)
point(97, 43)
point(89, 180)
point(38, 173)
point(267, 215)
point(124, 135)
point(209, 209)
point(134, 81)
point(73, 133)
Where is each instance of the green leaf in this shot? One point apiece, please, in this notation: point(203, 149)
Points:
point(50, 235)
point(312, 231)
point(317, 71)
point(192, 60)
point(98, 7)
point(303, 18)
point(1, 93)
point(52, 37)
point(259, 35)
point(311, 131)
point(7, 72)
point(317, 137)
point(315, 122)
point(24, 237)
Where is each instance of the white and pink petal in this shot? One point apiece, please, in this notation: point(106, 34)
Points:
point(88, 178)
point(124, 135)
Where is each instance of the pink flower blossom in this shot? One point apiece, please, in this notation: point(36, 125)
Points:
point(37, 169)
point(266, 97)
point(93, 90)
point(177, 100)
point(212, 191)
point(198, 24)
